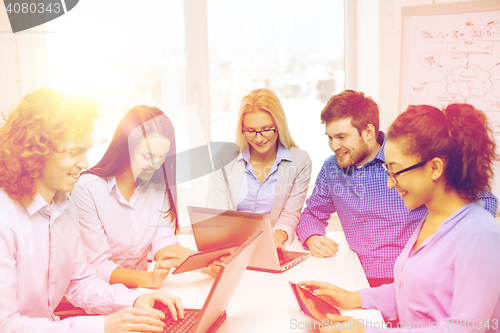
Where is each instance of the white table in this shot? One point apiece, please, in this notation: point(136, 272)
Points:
point(263, 301)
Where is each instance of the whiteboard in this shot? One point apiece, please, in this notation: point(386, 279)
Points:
point(451, 58)
point(451, 54)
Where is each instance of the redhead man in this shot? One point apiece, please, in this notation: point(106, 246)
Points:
point(43, 149)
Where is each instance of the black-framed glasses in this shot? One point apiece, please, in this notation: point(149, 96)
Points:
point(265, 133)
point(393, 175)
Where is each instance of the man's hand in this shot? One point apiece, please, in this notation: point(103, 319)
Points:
point(321, 246)
point(143, 317)
point(134, 320)
point(147, 302)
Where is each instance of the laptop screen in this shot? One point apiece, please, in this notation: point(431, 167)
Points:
point(226, 282)
point(219, 229)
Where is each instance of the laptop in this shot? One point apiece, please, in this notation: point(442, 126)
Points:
point(215, 229)
point(213, 313)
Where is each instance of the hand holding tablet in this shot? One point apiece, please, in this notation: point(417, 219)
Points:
point(203, 260)
point(332, 294)
point(312, 305)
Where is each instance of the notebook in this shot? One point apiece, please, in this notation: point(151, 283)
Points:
point(213, 313)
point(215, 229)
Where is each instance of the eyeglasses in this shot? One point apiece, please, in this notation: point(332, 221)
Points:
point(265, 133)
point(393, 175)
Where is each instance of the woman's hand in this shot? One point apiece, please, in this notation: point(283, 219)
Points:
point(214, 267)
point(163, 265)
point(279, 238)
point(334, 323)
point(334, 295)
point(338, 324)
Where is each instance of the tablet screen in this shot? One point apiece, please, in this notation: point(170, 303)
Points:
point(202, 260)
point(320, 308)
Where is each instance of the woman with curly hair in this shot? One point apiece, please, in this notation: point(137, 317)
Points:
point(447, 276)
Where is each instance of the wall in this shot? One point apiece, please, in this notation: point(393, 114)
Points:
point(23, 63)
point(362, 47)
point(390, 54)
point(373, 55)
point(390, 35)
point(9, 71)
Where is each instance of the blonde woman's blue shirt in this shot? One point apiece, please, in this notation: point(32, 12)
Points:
point(256, 197)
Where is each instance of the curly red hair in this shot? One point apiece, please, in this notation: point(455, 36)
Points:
point(32, 133)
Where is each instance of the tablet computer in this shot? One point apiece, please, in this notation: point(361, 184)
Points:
point(318, 310)
point(202, 259)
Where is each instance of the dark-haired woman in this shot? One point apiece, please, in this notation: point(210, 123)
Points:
point(127, 202)
point(448, 276)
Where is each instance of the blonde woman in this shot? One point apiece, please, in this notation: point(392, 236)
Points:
point(270, 174)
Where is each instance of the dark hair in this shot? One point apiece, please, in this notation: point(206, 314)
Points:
point(460, 135)
point(351, 104)
point(137, 123)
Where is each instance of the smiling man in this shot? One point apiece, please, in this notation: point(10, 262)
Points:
point(352, 182)
point(43, 149)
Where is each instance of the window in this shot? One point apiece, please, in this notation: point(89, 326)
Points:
point(295, 48)
point(123, 54)
point(126, 53)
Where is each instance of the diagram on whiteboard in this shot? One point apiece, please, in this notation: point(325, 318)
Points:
point(455, 59)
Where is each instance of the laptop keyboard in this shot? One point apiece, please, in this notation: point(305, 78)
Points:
point(180, 326)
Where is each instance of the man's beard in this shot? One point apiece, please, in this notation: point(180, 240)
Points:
point(357, 155)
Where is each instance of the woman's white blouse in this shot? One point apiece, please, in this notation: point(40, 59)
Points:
point(117, 232)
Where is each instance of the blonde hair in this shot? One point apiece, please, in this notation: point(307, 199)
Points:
point(264, 100)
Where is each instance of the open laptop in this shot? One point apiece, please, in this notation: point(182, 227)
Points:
point(213, 313)
point(219, 229)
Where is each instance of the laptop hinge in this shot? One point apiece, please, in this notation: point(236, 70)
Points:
point(215, 326)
